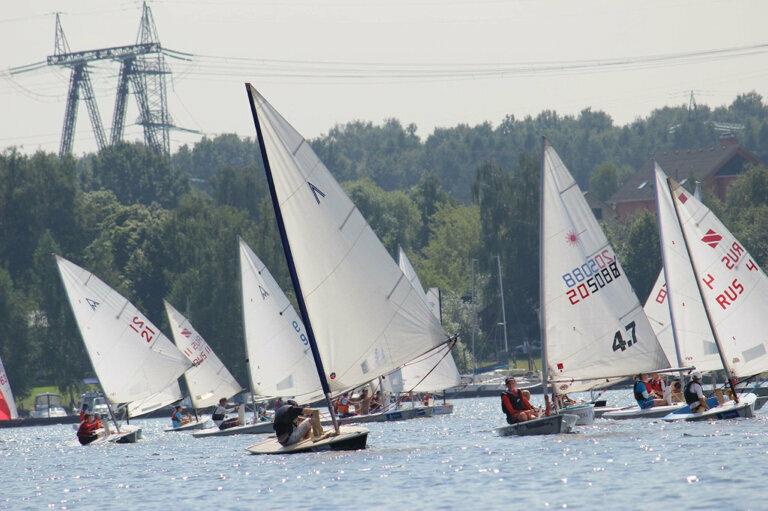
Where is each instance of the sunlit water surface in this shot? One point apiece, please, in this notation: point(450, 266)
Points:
point(449, 462)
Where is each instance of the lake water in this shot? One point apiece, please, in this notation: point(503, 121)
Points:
point(448, 462)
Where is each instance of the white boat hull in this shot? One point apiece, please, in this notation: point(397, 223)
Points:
point(552, 425)
point(350, 439)
point(200, 424)
point(745, 408)
point(585, 413)
point(127, 435)
point(635, 412)
point(248, 429)
point(442, 409)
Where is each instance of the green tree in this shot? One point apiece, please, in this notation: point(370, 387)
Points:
point(604, 180)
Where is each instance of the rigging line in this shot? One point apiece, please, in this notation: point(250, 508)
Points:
point(732, 51)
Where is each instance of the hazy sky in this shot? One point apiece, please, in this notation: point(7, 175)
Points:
point(435, 63)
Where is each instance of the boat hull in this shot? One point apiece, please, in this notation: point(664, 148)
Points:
point(247, 429)
point(349, 439)
point(190, 426)
point(585, 413)
point(635, 412)
point(442, 409)
point(552, 425)
point(745, 408)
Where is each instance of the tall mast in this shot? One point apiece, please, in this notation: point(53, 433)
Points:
point(290, 263)
point(503, 312)
point(719, 345)
point(474, 322)
point(666, 278)
point(542, 318)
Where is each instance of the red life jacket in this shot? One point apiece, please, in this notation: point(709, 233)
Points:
point(88, 429)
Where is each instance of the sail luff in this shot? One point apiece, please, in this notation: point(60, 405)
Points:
point(290, 263)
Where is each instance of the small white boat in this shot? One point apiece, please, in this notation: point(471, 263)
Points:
point(593, 330)
point(48, 404)
point(192, 425)
point(442, 409)
point(635, 412)
point(135, 363)
point(730, 409)
point(349, 439)
point(552, 425)
point(208, 380)
point(585, 413)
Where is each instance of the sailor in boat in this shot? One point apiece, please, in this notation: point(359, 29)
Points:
point(694, 394)
point(514, 404)
point(363, 404)
point(291, 428)
point(375, 405)
point(262, 412)
point(676, 392)
point(343, 406)
point(86, 433)
point(178, 419)
point(219, 416)
point(644, 394)
point(658, 386)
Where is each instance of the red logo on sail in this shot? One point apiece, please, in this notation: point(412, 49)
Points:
point(683, 198)
point(560, 366)
point(571, 238)
point(186, 333)
point(711, 238)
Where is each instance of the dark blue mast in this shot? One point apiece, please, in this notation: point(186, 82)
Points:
point(289, 261)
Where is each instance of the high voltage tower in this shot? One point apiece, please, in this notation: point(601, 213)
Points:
point(142, 66)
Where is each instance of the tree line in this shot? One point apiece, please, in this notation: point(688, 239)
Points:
point(154, 227)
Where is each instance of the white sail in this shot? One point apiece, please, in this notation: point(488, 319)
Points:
point(657, 309)
point(731, 285)
point(280, 358)
point(168, 395)
point(132, 358)
point(208, 380)
point(433, 300)
point(434, 371)
point(366, 317)
point(595, 327)
point(7, 404)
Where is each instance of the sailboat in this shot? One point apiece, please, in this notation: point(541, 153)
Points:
point(717, 295)
point(362, 316)
point(593, 328)
point(208, 379)
point(7, 404)
point(136, 365)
